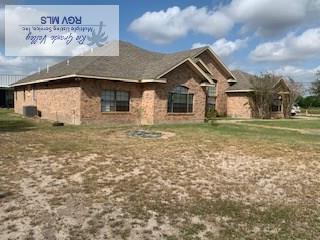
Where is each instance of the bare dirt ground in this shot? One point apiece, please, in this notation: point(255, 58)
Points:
point(101, 184)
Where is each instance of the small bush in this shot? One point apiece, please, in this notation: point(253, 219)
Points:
point(211, 113)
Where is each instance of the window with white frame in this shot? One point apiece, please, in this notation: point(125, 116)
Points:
point(115, 101)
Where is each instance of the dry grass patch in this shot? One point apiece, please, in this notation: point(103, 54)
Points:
point(203, 182)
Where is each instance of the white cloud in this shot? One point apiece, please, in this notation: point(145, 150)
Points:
point(1, 25)
point(269, 17)
point(24, 65)
point(10, 61)
point(265, 17)
point(173, 23)
point(297, 73)
point(290, 48)
point(223, 47)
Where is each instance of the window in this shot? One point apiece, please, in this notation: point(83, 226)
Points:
point(211, 97)
point(180, 100)
point(114, 101)
point(276, 104)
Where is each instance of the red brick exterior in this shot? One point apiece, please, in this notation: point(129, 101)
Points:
point(56, 102)
point(238, 105)
point(91, 102)
point(222, 81)
point(79, 100)
point(185, 76)
point(148, 101)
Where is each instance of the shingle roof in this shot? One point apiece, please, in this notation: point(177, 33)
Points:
point(243, 81)
point(132, 63)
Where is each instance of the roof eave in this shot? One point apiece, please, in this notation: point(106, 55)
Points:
point(161, 80)
point(241, 90)
point(204, 66)
point(218, 59)
point(73, 76)
point(189, 60)
point(230, 80)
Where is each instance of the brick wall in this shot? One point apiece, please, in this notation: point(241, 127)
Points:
point(91, 102)
point(55, 101)
point(238, 105)
point(148, 103)
point(186, 76)
point(222, 82)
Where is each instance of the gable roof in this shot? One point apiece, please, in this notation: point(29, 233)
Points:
point(133, 64)
point(244, 84)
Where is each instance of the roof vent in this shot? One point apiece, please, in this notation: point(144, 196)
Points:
point(47, 68)
point(68, 62)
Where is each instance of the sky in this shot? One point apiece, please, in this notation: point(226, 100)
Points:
point(256, 36)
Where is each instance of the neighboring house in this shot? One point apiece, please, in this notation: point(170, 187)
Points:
point(239, 99)
point(6, 92)
point(139, 86)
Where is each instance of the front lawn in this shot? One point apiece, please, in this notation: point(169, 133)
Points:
point(200, 181)
point(291, 123)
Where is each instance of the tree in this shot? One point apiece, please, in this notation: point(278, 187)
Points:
point(262, 94)
point(308, 101)
point(315, 86)
point(266, 90)
point(295, 90)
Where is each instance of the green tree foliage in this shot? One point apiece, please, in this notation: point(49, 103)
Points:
point(308, 101)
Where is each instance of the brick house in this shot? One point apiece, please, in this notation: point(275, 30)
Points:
point(239, 97)
point(139, 86)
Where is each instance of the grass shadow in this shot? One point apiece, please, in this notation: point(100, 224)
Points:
point(10, 122)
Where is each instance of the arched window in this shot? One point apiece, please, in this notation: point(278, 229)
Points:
point(180, 100)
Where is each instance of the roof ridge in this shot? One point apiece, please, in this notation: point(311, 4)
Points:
point(189, 50)
point(179, 60)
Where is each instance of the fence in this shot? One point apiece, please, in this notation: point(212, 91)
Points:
point(6, 79)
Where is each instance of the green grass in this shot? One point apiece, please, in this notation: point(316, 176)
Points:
point(251, 133)
point(292, 123)
point(10, 122)
point(88, 135)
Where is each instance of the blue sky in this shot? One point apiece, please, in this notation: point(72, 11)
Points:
point(255, 36)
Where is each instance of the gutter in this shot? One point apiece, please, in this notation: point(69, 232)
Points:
point(162, 80)
point(235, 91)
